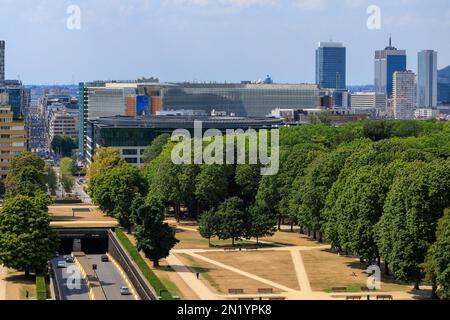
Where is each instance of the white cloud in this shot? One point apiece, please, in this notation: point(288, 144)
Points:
point(201, 3)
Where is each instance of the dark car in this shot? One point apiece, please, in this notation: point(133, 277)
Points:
point(105, 259)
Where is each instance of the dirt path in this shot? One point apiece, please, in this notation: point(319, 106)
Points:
point(300, 270)
point(3, 274)
point(190, 279)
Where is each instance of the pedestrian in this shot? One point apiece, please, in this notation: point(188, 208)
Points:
point(198, 275)
point(27, 294)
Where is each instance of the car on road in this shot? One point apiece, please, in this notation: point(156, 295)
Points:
point(125, 291)
point(61, 264)
point(69, 259)
point(105, 259)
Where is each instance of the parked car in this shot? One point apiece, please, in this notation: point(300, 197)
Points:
point(105, 259)
point(69, 259)
point(125, 291)
point(61, 264)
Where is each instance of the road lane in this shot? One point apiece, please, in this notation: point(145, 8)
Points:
point(110, 278)
point(71, 287)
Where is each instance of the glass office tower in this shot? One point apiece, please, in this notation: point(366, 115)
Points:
point(387, 62)
point(331, 65)
point(427, 79)
point(251, 100)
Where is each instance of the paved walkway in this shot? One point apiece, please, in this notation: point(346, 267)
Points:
point(247, 274)
point(3, 274)
point(300, 270)
point(203, 292)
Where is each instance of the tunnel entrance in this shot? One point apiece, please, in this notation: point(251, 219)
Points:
point(87, 241)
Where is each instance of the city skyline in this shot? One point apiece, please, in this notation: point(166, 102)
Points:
point(236, 40)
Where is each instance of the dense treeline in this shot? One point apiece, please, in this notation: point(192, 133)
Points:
point(27, 242)
point(374, 189)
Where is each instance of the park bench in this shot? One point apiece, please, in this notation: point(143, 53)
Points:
point(249, 298)
point(265, 290)
point(385, 297)
point(229, 249)
point(277, 298)
point(339, 289)
point(235, 291)
point(353, 297)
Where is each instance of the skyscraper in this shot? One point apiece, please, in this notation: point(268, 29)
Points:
point(427, 79)
point(404, 94)
point(2, 62)
point(331, 65)
point(387, 62)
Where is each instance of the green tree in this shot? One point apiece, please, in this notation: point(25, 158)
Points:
point(104, 159)
point(437, 264)
point(65, 173)
point(212, 184)
point(26, 175)
point(156, 147)
point(27, 241)
point(209, 225)
point(115, 191)
point(413, 206)
point(63, 145)
point(154, 237)
point(52, 179)
point(233, 219)
point(247, 179)
point(261, 223)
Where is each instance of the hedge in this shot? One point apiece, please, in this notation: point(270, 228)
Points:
point(146, 271)
point(41, 288)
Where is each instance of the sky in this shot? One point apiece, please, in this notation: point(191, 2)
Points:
point(210, 40)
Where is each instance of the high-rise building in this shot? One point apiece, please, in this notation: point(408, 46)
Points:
point(404, 94)
point(387, 62)
point(427, 79)
point(61, 121)
point(444, 86)
point(13, 135)
point(331, 65)
point(2, 62)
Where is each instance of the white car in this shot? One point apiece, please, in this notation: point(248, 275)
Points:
point(61, 264)
point(124, 291)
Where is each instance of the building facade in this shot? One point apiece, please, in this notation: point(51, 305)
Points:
point(387, 62)
point(427, 79)
point(106, 99)
point(444, 86)
point(13, 136)
point(404, 94)
point(2, 62)
point(373, 103)
point(426, 113)
point(132, 135)
point(62, 121)
point(331, 65)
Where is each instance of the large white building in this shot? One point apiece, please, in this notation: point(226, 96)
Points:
point(404, 95)
point(368, 102)
point(62, 121)
point(427, 79)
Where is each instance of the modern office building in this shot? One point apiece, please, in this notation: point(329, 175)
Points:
point(131, 135)
point(371, 103)
point(426, 113)
point(134, 98)
point(443, 91)
point(2, 62)
point(331, 65)
point(13, 135)
point(387, 62)
point(404, 94)
point(427, 79)
point(61, 121)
